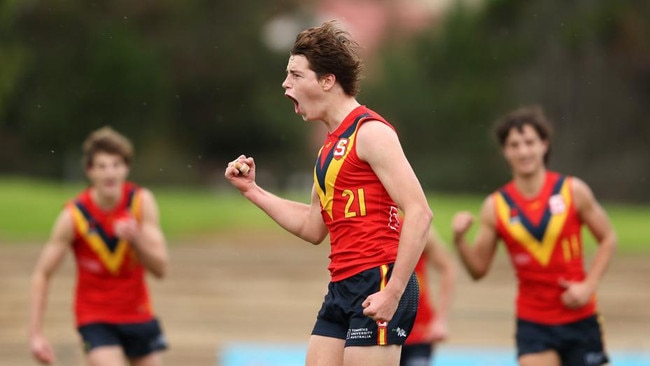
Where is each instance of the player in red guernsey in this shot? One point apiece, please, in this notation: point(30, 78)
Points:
point(539, 216)
point(112, 227)
point(431, 322)
point(362, 181)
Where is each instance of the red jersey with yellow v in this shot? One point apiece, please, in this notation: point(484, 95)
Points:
point(543, 237)
point(362, 218)
point(110, 280)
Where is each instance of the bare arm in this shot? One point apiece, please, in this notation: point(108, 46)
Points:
point(478, 257)
point(596, 220)
point(378, 145)
point(300, 219)
point(50, 259)
point(445, 268)
point(147, 238)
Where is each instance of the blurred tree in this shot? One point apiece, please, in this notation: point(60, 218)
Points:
point(194, 85)
point(84, 66)
point(189, 82)
point(444, 89)
point(587, 63)
point(591, 70)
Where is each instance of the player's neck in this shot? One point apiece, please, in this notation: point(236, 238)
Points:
point(336, 114)
point(105, 201)
point(529, 185)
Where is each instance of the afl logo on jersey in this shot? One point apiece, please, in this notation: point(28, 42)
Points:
point(514, 216)
point(341, 148)
point(556, 204)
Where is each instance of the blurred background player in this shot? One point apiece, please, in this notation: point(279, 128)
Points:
point(431, 322)
point(539, 216)
point(113, 229)
point(362, 179)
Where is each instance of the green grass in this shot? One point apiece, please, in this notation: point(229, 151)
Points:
point(28, 209)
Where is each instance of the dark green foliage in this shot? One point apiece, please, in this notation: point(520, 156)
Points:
point(193, 85)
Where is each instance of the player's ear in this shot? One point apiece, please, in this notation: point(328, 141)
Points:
point(546, 146)
point(327, 81)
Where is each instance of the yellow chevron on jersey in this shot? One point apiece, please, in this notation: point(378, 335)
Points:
point(136, 206)
point(329, 162)
point(97, 239)
point(538, 240)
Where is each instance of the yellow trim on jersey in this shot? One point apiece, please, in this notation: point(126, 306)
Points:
point(541, 251)
point(136, 205)
point(333, 167)
point(111, 259)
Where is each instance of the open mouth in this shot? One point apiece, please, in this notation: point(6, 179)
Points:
point(296, 107)
point(110, 183)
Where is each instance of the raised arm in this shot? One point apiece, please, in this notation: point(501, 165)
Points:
point(378, 145)
point(595, 218)
point(300, 219)
point(477, 257)
point(50, 259)
point(147, 238)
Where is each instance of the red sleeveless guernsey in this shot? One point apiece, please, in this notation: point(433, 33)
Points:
point(362, 219)
point(110, 280)
point(543, 237)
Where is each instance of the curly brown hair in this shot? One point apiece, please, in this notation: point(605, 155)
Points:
point(529, 115)
point(330, 50)
point(109, 141)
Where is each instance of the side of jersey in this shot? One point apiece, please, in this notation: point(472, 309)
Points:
point(362, 219)
point(426, 313)
point(110, 280)
point(543, 238)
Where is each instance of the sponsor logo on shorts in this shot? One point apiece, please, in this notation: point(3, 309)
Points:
point(359, 333)
point(400, 332)
point(160, 342)
point(595, 358)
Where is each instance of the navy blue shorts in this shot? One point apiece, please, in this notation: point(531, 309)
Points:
point(578, 343)
point(341, 315)
point(416, 354)
point(136, 339)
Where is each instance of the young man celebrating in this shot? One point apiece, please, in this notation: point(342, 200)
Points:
point(539, 216)
point(362, 180)
point(113, 229)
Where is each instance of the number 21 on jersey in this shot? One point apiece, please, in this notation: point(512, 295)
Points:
point(356, 204)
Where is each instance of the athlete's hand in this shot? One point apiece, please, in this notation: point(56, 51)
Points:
point(126, 227)
point(380, 306)
point(438, 331)
point(576, 294)
point(243, 182)
point(462, 222)
point(41, 350)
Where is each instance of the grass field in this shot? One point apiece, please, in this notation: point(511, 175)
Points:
point(234, 277)
point(28, 208)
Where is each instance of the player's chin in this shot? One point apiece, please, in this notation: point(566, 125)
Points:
point(526, 168)
point(110, 188)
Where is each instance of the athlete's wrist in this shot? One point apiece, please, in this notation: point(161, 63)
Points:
point(395, 288)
